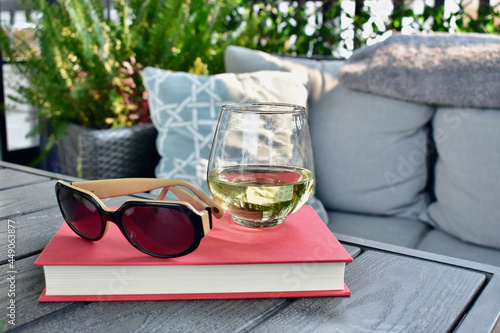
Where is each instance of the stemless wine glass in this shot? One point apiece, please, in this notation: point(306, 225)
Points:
point(261, 166)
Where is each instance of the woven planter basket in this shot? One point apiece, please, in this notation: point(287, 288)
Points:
point(119, 153)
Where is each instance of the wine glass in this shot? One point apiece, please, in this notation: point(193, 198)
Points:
point(261, 166)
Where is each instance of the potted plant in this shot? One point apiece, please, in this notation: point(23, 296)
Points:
point(83, 64)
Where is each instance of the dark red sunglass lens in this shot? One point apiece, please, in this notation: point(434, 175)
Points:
point(159, 230)
point(80, 212)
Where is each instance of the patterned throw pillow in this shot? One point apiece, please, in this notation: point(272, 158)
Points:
point(185, 109)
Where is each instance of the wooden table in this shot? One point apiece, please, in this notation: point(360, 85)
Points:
point(393, 288)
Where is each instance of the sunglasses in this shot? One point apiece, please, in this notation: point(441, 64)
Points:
point(157, 227)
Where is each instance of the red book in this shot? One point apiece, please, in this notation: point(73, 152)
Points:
point(298, 258)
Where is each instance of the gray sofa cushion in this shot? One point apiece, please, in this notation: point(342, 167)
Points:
point(360, 165)
point(370, 153)
point(392, 230)
point(437, 241)
point(409, 233)
point(443, 69)
point(467, 175)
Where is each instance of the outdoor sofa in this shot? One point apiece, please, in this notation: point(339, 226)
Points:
point(405, 133)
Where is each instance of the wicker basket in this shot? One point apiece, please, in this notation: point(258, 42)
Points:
point(119, 153)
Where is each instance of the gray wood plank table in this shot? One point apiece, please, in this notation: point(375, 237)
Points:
point(393, 289)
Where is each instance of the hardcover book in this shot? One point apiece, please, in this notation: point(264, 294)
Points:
point(298, 258)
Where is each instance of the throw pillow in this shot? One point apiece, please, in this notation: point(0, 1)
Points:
point(185, 109)
point(459, 69)
point(467, 175)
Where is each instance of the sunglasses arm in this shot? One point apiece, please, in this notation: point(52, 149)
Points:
point(109, 188)
point(183, 195)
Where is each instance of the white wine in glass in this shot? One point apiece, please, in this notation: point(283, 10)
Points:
point(261, 165)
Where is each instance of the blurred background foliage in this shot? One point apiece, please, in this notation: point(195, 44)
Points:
point(337, 28)
point(83, 59)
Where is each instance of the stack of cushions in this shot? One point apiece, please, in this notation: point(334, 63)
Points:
point(185, 108)
point(378, 118)
point(460, 74)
